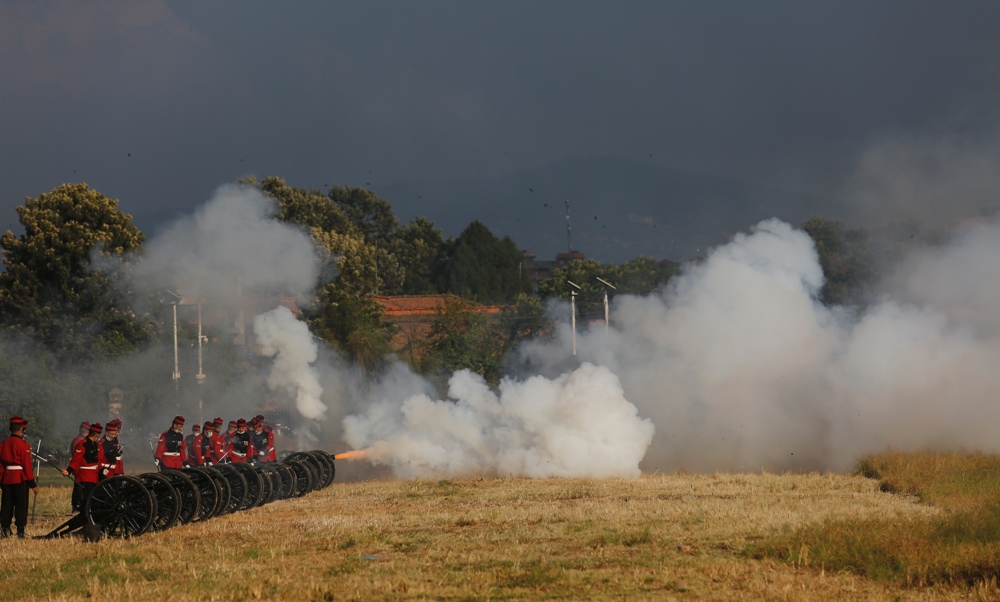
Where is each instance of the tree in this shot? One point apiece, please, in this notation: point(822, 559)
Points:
point(372, 216)
point(846, 260)
point(482, 267)
point(64, 281)
point(355, 325)
point(307, 208)
point(419, 248)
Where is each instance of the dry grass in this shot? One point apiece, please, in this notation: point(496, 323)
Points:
point(658, 537)
point(960, 545)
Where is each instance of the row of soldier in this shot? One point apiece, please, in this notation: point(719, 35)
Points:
point(206, 446)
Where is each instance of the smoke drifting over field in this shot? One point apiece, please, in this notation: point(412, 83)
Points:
point(286, 339)
point(576, 425)
point(741, 369)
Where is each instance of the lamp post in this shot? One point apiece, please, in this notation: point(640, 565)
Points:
point(606, 284)
point(572, 311)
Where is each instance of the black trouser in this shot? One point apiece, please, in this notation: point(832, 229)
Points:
point(81, 491)
point(14, 505)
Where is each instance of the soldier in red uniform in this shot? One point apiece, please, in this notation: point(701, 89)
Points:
point(240, 444)
point(225, 439)
point(16, 477)
point(86, 463)
point(204, 447)
point(263, 441)
point(113, 450)
point(170, 451)
point(189, 443)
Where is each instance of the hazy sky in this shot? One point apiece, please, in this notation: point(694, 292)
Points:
point(158, 103)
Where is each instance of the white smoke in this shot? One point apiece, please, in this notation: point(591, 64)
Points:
point(576, 425)
point(741, 368)
point(281, 336)
point(231, 241)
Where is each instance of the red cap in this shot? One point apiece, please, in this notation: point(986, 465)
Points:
point(232, 424)
point(240, 423)
point(196, 428)
point(218, 421)
point(96, 427)
point(209, 426)
point(114, 425)
point(179, 420)
point(255, 421)
point(17, 422)
point(85, 425)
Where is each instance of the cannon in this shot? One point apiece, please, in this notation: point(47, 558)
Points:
point(129, 506)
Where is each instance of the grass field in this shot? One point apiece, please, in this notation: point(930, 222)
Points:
point(702, 537)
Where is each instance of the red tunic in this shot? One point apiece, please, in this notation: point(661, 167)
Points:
point(171, 450)
point(15, 462)
point(76, 441)
point(241, 447)
point(87, 460)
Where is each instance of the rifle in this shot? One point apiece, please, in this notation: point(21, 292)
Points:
point(50, 464)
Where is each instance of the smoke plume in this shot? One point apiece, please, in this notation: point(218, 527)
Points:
point(576, 425)
point(741, 368)
point(281, 336)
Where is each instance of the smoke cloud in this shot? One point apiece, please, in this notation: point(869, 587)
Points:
point(232, 241)
point(741, 368)
point(281, 336)
point(576, 425)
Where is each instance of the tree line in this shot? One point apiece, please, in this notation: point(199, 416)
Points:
point(74, 328)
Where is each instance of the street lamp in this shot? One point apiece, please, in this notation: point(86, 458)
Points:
point(572, 311)
point(606, 284)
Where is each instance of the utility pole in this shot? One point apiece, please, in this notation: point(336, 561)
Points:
point(606, 284)
point(177, 367)
point(572, 311)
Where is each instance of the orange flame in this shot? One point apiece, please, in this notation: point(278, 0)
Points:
point(356, 454)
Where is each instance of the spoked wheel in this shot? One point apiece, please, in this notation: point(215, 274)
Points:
point(254, 486)
point(303, 477)
point(208, 490)
point(269, 472)
point(327, 459)
point(188, 493)
point(266, 486)
point(122, 506)
point(237, 486)
point(223, 485)
point(317, 468)
point(288, 485)
point(168, 502)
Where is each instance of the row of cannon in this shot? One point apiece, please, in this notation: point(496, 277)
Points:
point(128, 506)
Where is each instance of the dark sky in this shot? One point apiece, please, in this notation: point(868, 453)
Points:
point(157, 103)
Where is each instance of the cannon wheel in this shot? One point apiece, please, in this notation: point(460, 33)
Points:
point(303, 477)
point(270, 472)
point(327, 459)
point(208, 490)
point(288, 485)
point(317, 468)
point(222, 483)
point(254, 487)
point(168, 507)
point(237, 486)
point(266, 486)
point(122, 506)
point(189, 495)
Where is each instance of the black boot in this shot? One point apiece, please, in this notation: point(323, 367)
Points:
point(4, 533)
point(21, 535)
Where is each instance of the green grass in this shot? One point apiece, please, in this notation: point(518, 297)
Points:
point(958, 546)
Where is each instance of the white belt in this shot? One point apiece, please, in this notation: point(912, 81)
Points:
point(88, 468)
point(238, 453)
point(171, 453)
point(15, 467)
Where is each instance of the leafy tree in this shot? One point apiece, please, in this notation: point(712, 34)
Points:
point(371, 215)
point(463, 338)
point(482, 267)
point(355, 325)
point(641, 276)
point(64, 279)
point(308, 208)
point(419, 248)
point(846, 260)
